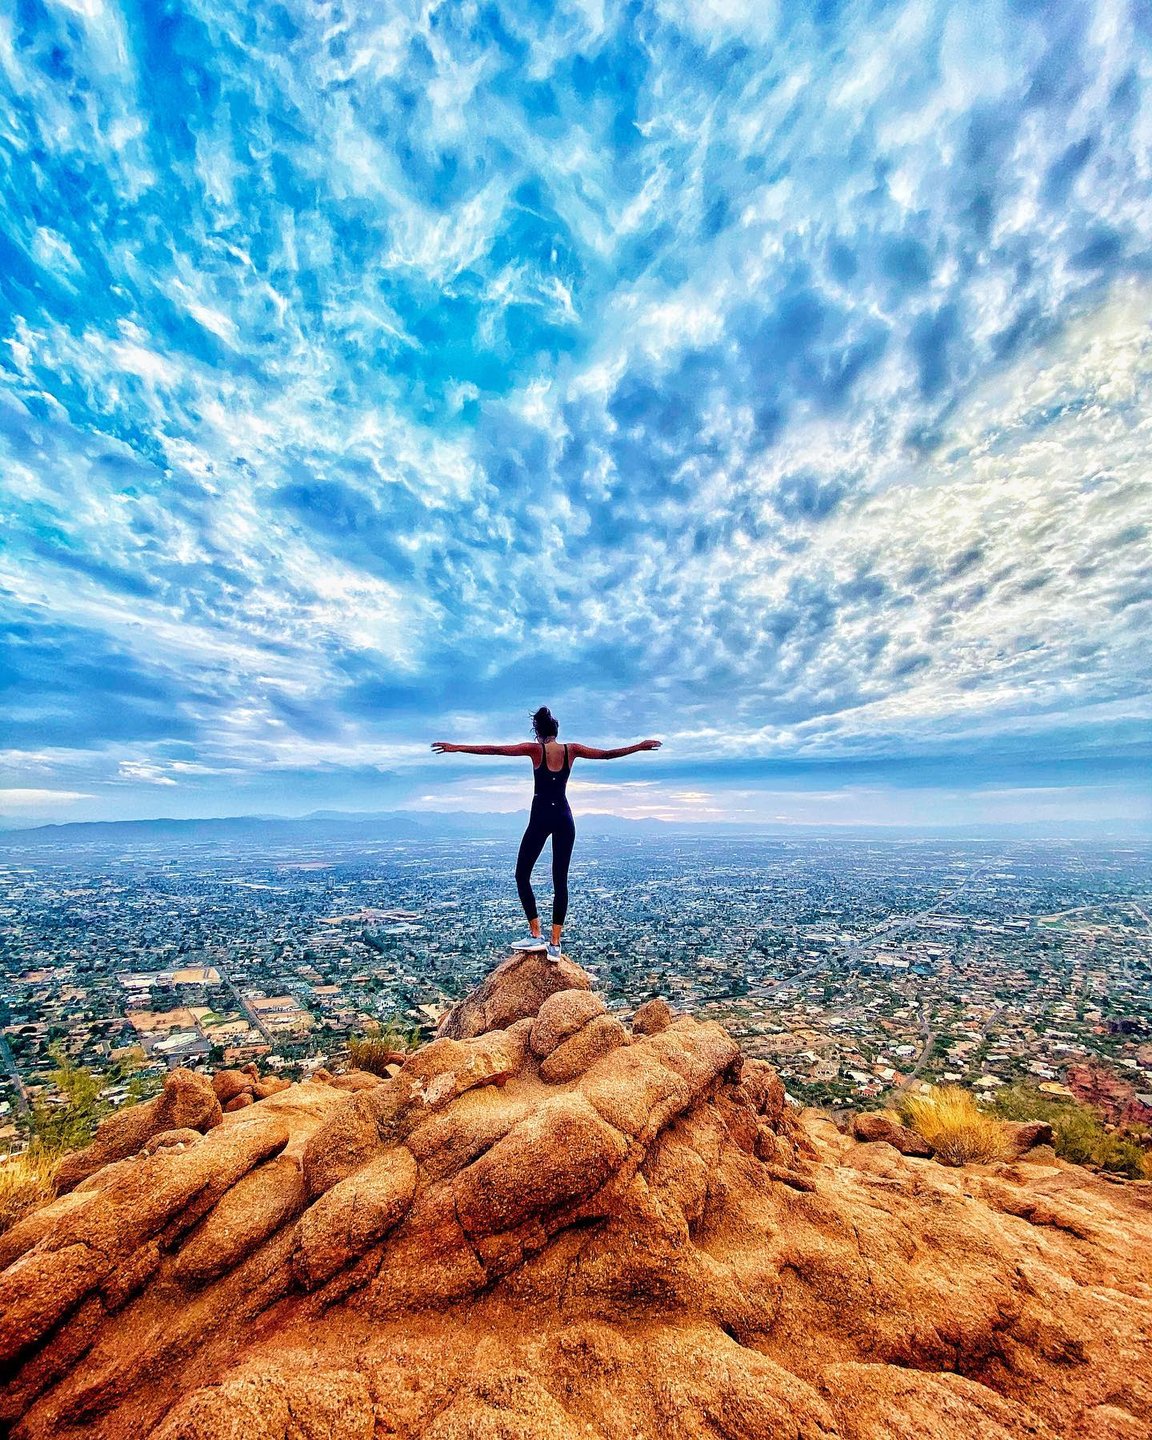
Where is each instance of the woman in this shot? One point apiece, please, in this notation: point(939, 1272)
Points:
point(550, 815)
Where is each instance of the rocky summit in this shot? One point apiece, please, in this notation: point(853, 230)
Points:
point(550, 1225)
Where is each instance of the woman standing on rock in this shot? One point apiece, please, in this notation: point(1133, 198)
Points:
point(551, 814)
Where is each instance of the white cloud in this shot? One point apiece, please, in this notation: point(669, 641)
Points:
point(14, 801)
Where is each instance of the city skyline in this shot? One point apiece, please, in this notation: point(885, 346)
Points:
point(771, 380)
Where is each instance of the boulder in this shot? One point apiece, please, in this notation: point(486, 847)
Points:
point(230, 1083)
point(702, 1053)
point(426, 1262)
point(40, 1288)
point(1023, 1135)
point(354, 1215)
point(561, 1015)
point(640, 1088)
point(652, 1017)
point(256, 1206)
point(515, 990)
point(169, 1139)
point(439, 1072)
point(634, 1090)
point(872, 1126)
point(432, 1078)
point(558, 1155)
point(89, 1242)
point(346, 1140)
point(659, 1245)
point(186, 1102)
point(172, 1189)
point(33, 1226)
point(451, 1138)
point(239, 1102)
point(599, 1037)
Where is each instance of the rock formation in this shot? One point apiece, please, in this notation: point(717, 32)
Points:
point(873, 1125)
point(1114, 1097)
point(187, 1102)
point(549, 1226)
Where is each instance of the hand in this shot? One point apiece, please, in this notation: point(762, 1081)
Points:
point(442, 747)
point(651, 744)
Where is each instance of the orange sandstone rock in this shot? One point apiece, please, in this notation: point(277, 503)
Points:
point(246, 1215)
point(873, 1126)
point(230, 1083)
point(652, 1017)
point(354, 1214)
point(186, 1102)
point(515, 990)
point(561, 1015)
point(543, 1228)
point(601, 1035)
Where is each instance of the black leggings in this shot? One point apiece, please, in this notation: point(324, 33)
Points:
point(542, 822)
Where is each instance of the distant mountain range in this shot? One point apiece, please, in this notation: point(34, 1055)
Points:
point(351, 826)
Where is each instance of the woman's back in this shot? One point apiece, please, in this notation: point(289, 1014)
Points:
point(548, 783)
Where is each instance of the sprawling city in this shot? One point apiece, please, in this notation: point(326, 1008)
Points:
point(855, 965)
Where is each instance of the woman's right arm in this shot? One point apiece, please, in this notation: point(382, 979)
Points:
point(590, 752)
point(444, 747)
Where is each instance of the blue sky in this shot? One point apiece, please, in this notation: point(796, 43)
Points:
point(770, 378)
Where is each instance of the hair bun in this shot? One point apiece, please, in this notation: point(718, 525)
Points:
point(544, 724)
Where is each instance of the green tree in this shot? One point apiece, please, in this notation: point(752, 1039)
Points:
point(55, 1128)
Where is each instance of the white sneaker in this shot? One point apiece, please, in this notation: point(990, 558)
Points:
point(530, 942)
point(554, 952)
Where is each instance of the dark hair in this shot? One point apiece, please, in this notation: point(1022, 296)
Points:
point(545, 725)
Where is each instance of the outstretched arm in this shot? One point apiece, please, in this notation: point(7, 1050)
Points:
point(589, 752)
point(444, 747)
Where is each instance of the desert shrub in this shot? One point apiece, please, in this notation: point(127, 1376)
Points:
point(1123, 1156)
point(388, 1046)
point(25, 1184)
point(143, 1087)
point(1078, 1131)
point(950, 1120)
point(70, 1123)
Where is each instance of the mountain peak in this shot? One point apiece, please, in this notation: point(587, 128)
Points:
point(549, 1224)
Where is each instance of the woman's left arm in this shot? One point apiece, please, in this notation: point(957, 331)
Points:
point(592, 752)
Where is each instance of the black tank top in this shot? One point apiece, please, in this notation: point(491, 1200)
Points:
point(550, 784)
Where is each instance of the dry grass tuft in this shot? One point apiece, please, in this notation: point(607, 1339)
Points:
point(25, 1184)
point(960, 1133)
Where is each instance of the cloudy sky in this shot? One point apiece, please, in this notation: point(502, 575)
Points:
point(771, 378)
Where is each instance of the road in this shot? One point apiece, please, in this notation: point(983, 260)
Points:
point(922, 1058)
point(243, 1004)
point(9, 1062)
